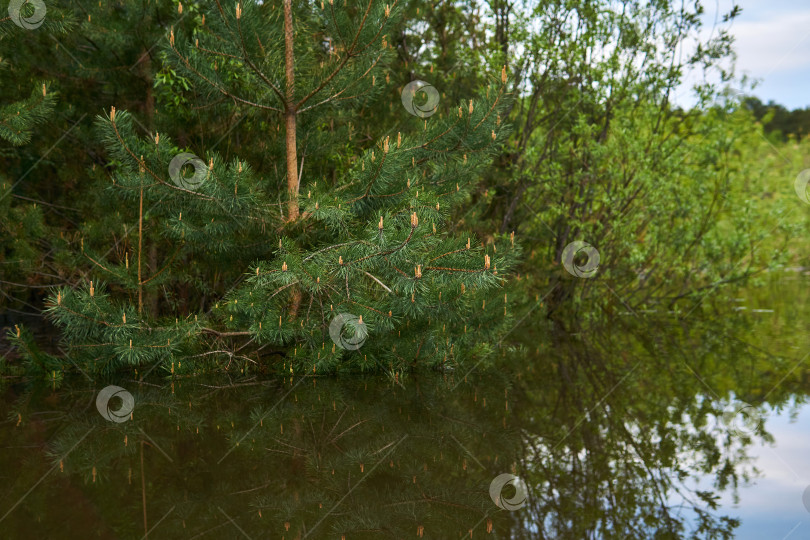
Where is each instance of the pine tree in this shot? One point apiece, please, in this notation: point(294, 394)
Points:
point(27, 100)
point(18, 118)
point(54, 78)
point(354, 237)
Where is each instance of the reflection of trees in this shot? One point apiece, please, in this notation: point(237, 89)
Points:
point(638, 415)
point(606, 428)
point(364, 458)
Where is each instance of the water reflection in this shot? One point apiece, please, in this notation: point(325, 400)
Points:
point(606, 429)
point(303, 458)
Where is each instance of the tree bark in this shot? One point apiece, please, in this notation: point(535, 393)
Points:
point(290, 120)
point(290, 115)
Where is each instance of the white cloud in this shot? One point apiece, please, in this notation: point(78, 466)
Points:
point(786, 472)
point(771, 40)
point(773, 45)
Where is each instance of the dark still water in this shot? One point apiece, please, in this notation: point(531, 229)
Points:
point(650, 427)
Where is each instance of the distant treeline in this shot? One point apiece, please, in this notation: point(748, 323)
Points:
point(788, 124)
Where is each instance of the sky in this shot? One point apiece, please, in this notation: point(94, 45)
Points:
point(773, 506)
point(772, 40)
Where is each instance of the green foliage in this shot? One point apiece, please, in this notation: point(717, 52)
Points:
point(90, 55)
point(377, 241)
point(18, 120)
point(246, 267)
point(38, 363)
point(783, 123)
point(601, 155)
point(319, 196)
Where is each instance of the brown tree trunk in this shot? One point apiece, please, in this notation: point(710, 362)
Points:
point(290, 125)
point(140, 251)
point(290, 115)
point(153, 266)
point(149, 116)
